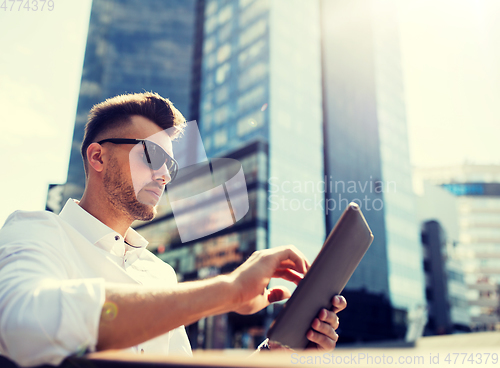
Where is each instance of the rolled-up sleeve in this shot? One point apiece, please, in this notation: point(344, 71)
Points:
point(44, 315)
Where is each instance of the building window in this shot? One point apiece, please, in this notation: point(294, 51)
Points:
point(251, 53)
point(210, 24)
point(225, 32)
point(208, 45)
point(207, 143)
point(222, 73)
point(255, 73)
point(251, 99)
point(225, 13)
point(221, 115)
point(220, 138)
point(253, 32)
point(211, 8)
point(258, 7)
point(207, 102)
point(206, 121)
point(221, 94)
point(223, 53)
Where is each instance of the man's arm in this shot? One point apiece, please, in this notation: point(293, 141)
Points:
point(134, 314)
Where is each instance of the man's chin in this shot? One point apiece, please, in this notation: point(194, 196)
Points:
point(149, 212)
point(143, 209)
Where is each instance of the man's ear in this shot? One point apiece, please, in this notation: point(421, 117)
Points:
point(94, 157)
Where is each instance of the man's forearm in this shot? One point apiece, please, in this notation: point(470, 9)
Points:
point(134, 314)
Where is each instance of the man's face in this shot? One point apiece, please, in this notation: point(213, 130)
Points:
point(132, 186)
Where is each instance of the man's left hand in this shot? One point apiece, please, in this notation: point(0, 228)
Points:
point(322, 334)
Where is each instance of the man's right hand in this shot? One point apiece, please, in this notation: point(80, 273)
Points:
point(252, 277)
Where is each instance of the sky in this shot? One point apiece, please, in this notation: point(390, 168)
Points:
point(450, 53)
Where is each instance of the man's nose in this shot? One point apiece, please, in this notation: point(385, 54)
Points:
point(162, 175)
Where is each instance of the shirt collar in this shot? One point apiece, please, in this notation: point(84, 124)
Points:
point(99, 234)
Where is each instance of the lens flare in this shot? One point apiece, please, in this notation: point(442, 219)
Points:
point(109, 311)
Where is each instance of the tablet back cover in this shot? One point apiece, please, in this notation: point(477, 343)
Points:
point(341, 253)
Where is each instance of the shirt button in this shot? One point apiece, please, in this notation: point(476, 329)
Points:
point(117, 237)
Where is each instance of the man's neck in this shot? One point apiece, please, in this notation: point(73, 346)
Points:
point(108, 215)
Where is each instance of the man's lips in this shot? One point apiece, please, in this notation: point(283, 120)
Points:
point(156, 192)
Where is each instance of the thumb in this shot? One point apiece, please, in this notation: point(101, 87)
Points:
point(278, 293)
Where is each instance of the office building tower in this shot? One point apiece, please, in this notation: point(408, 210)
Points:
point(133, 46)
point(446, 291)
point(477, 190)
point(445, 286)
point(366, 145)
point(261, 78)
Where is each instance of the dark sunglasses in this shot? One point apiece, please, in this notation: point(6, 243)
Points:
point(154, 155)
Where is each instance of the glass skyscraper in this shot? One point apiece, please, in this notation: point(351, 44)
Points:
point(261, 78)
point(366, 145)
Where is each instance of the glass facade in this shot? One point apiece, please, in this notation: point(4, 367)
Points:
point(235, 81)
point(296, 213)
point(249, 55)
point(438, 206)
point(353, 164)
point(366, 145)
point(404, 251)
point(478, 247)
point(261, 79)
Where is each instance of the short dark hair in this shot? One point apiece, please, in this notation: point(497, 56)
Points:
point(118, 110)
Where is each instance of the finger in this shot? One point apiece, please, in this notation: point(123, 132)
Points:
point(299, 262)
point(296, 250)
point(288, 275)
point(323, 342)
point(278, 293)
point(339, 303)
point(288, 264)
point(324, 328)
point(329, 317)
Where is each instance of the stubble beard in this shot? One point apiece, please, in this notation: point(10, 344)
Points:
point(122, 196)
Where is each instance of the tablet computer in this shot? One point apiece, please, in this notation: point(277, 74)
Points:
point(331, 270)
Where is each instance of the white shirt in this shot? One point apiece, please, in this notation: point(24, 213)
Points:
point(53, 270)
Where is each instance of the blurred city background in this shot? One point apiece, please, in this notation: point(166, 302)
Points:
point(393, 104)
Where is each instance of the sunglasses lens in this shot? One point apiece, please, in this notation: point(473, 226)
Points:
point(159, 157)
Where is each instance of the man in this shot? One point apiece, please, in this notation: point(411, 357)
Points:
point(83, 280)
